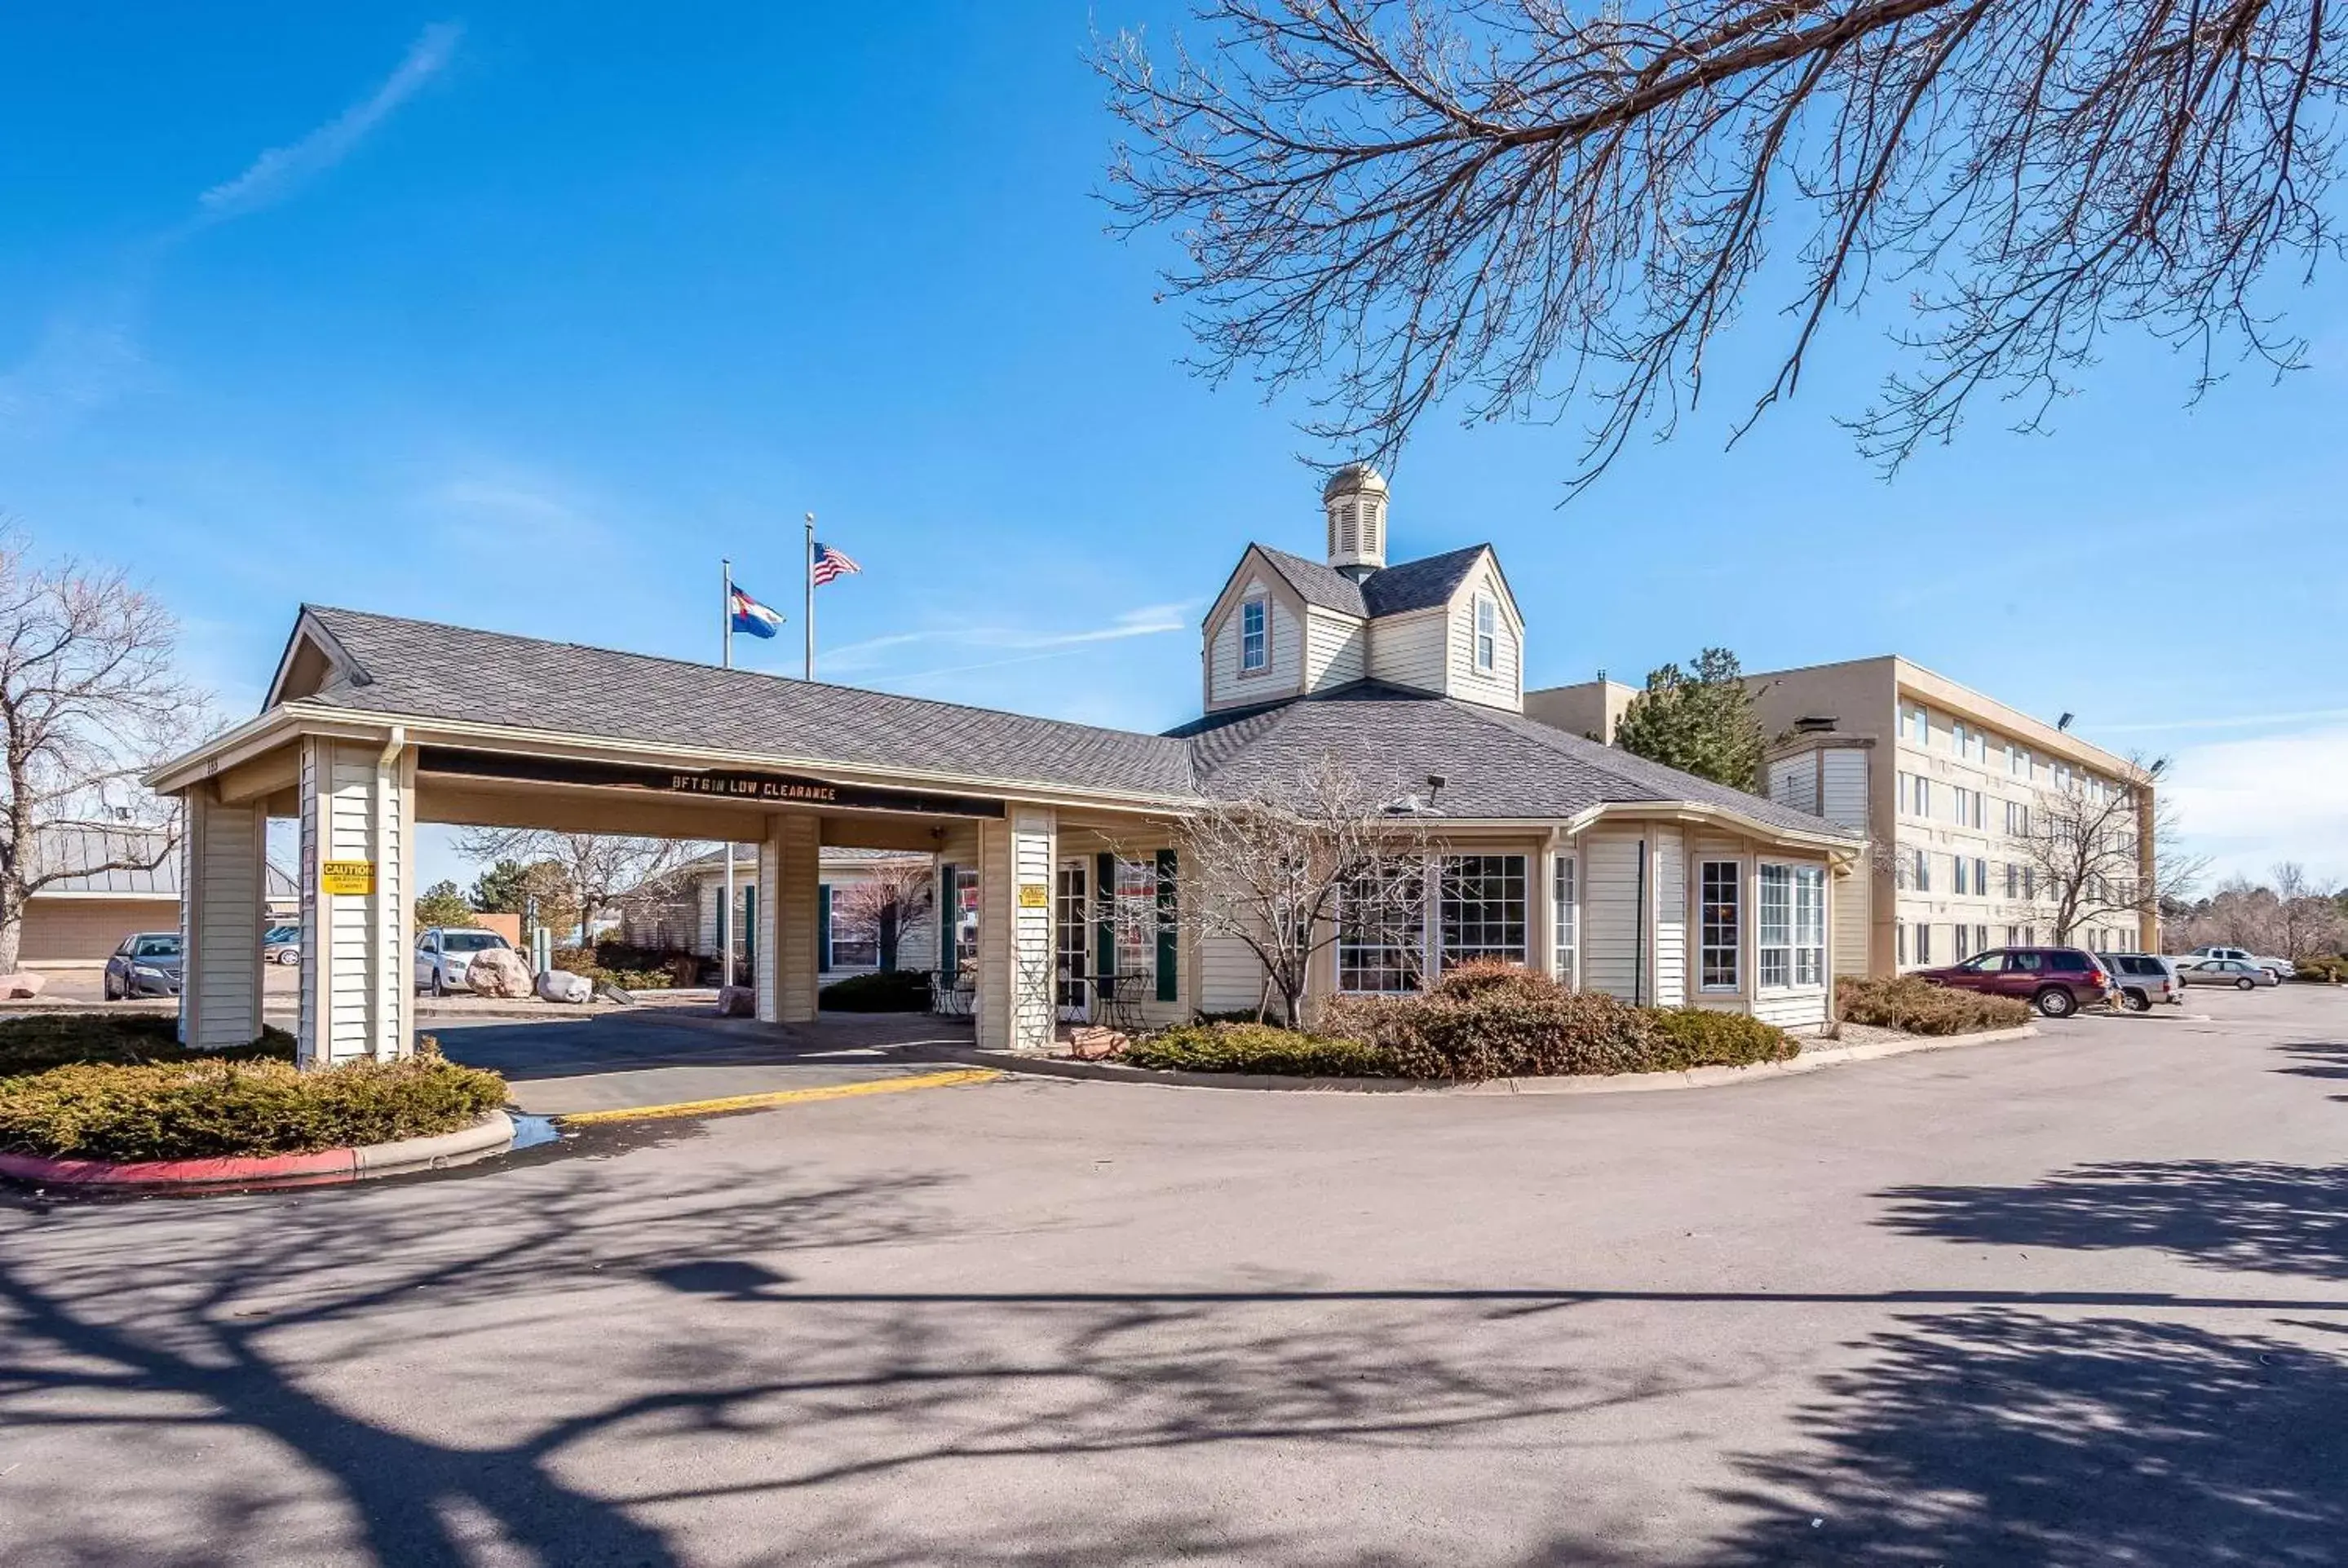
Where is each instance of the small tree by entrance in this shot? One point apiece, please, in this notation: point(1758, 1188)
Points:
point(1282, 869)
point(89, 699)
point(893, 894)
point(592, 870)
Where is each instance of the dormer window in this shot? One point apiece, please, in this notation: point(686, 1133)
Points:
point(1488, 633)
point(1255, 636)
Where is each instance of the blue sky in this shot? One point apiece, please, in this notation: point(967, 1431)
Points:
point(522, 317)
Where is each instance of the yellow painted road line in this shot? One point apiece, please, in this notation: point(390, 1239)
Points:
point(784, 1097)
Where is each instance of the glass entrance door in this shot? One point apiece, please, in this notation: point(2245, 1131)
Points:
point(1072, 941)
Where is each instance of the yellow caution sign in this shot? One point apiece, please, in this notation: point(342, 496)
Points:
point(346, 876)
point(1035, 896)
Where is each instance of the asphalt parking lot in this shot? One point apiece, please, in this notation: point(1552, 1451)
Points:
point(2080, 1298)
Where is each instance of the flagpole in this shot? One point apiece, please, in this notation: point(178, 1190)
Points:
point(810, 596)
point(726, 921)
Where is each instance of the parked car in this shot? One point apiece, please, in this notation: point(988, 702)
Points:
point(2057, 981)
point(282, 944)
point(2144, 979)
point(2281, 969)
point(2238, 973)
point(147, 964)
point(444, 954)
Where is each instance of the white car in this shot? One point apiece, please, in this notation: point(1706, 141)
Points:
point(2281, 969)
point(443, 953)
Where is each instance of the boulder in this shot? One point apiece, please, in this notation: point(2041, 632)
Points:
point(562, 986)
point(1092, 1043)
point(22, 986)
point(498, 972)
point(736, 1001)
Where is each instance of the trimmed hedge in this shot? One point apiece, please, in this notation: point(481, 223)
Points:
point(883, 991)
point(120, 1087)
point(1701, 1037)
point(33, 1042)
point(2323, 970)
point(1917, 1005)
point(1479, 1021)
point(1256, 1048)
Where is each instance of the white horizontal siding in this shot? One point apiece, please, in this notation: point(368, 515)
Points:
point(1795, 1010)
point(1610, 904)
point(1230, 977)
point(1336, 649)
point(1502, 685)
point(1845, 787)
point(1282, 677)
point(1671, 907)
point(1408, 650)
point(1794, 781)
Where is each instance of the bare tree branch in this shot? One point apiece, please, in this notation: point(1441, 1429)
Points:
point(1522, 208)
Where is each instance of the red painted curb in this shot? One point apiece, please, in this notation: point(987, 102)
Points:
point(324, 1163)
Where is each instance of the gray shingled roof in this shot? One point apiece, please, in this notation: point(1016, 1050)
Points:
point(419, 669)
point(1390, 591)
point(1494, 763)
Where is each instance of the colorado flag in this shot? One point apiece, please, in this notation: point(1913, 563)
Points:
point(752, 617)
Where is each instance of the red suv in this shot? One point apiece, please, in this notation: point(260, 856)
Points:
point(2057, 981)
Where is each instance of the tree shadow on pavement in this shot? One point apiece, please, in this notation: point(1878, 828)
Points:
point(2224, 1213)
point(2316, 1059)
point(1995, 1437)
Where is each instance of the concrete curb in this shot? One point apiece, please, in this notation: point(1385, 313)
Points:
point(489, 1135)
point(1624, 1084)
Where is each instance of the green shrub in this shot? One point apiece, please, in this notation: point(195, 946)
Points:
point(33, 1042)
point(2323, 970)
point(1917, 1005)
point(1485, 1020)
point(1256, 1048)
point(207, 1108)
point(1700, 1037)
point(883, 991)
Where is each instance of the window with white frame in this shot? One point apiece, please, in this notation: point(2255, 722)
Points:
point(1900, 940)
point(1914, 726)
point(2017, 762)
point(1923, 942)
point(1487, 633)
point(1484, 909)
point(1255, 635)
point(1565, 924)
point(1965, 951)
point(1793, 927)
point(1960, 738)
point(1922, 875)
point(1381, 931)
point(2030, 882)
point(1958, 868)
point(1980, 938)
point(2017, 817)
point(2013, 937)
point(855, 930)
point(1719, 925)
point(1136, 923)
point(2013, 882)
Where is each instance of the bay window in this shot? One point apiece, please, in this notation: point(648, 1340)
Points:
point(1564, 926)
point(1381, 931)
point(1719, 926)
point(1481, 908)
point(1793, 931)
point(1484, 909)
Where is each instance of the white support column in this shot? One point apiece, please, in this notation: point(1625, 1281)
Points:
point(222, 910)
point(358, 983)
point(787, 879)
point(1017, 859)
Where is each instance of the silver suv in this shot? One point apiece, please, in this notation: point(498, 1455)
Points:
point(2144, 979)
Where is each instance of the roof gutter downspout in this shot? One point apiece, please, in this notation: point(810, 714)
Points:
point(1639, 936)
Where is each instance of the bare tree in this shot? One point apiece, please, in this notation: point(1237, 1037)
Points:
point(89, 700)
point(2306, 914)
point(1288, 867)
point(595, 868)
point(2082, 846)
point(893, 894)
point(1388, 203)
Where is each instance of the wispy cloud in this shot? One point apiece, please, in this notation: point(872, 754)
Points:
point(282, 170)
point(2249, 803)
point(1025, 646)
point(76, 366)
point(2228, 722)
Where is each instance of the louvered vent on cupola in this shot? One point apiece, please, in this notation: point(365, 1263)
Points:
point(1355, 502)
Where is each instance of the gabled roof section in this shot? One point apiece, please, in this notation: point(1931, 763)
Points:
point(1495, 763)
point(419, 670)
point(1316, 582)
point(1420, 584)
point(313, 661)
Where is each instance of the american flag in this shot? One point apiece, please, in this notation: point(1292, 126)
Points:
point(830, 563)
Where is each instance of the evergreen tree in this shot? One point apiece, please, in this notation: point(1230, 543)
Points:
point(1701, 721)
point(442, 904)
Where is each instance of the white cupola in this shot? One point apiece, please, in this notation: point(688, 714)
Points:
point(1355, 500)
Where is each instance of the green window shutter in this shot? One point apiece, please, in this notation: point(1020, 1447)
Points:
point(823, 927)
point(1105, 938)
point(947, 900)
point(1170, 976)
